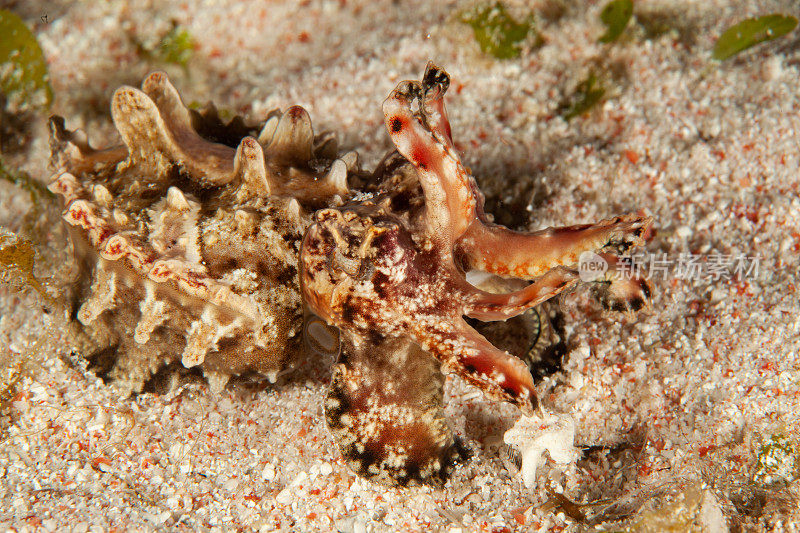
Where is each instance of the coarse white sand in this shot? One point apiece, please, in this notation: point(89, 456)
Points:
point(686, 417)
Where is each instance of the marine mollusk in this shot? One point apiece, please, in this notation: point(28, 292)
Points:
point(210, 244)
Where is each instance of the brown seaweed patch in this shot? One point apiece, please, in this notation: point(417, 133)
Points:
point(17, 262)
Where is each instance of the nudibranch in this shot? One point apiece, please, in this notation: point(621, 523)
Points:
point(226, 246)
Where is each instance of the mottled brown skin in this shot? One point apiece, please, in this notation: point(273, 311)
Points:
point(389, 272)
point(222, 247)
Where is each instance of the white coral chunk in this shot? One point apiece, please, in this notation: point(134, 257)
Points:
point(532, 435)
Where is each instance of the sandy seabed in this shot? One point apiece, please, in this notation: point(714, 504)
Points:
point(686, 418)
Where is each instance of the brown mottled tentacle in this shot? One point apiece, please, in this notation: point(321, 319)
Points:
point(454, 205)
point(434, 84)
point(450, 192)
point(467, 353)
point(623, 287)
point(384, 410)
point(487, 306)
point(504, 252)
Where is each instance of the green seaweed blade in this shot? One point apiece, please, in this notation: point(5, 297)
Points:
point(497, 32)
point(615, 15)
point(23, 70)
point(751, 32)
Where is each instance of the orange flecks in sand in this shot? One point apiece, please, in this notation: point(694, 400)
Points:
point(632, 156)
point(796, 237)
point(253, 497)
point(22, 395)
point(101, 460)
point(702, 451)
point(33, 521)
